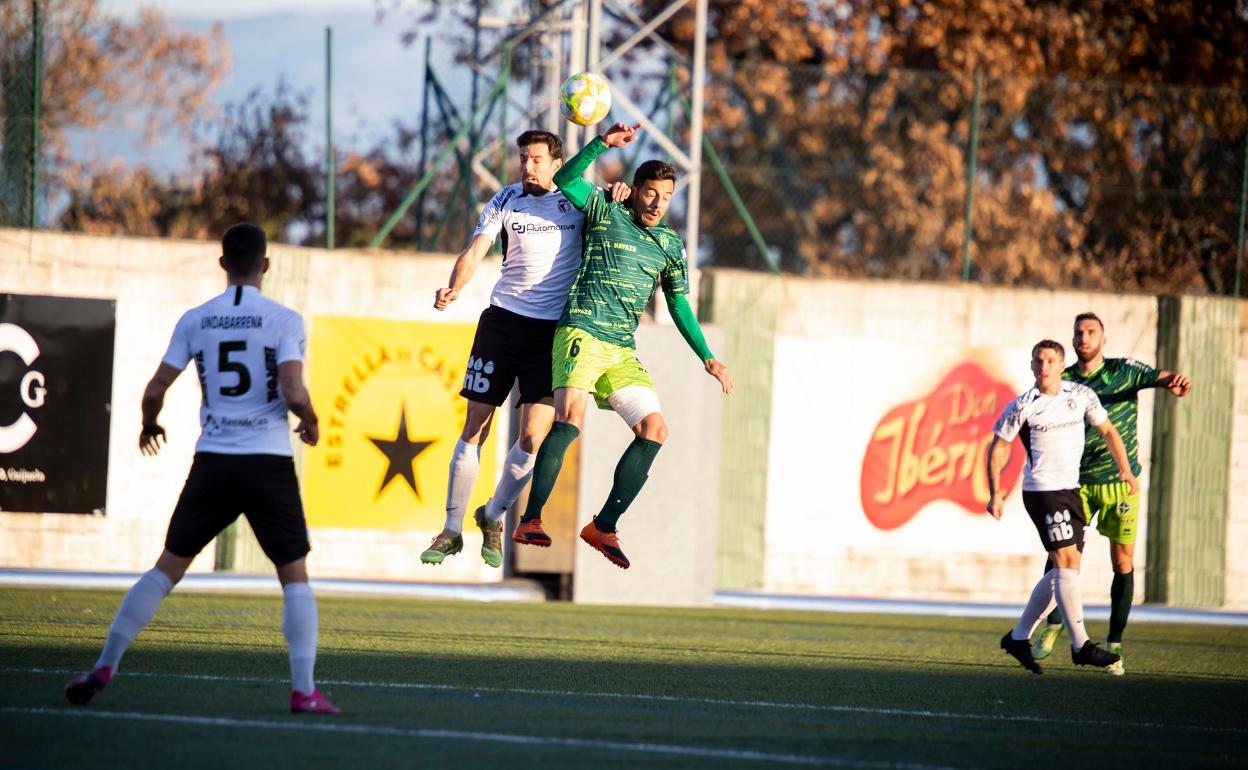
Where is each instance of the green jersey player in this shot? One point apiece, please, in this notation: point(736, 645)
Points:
point(1117, 381)
point(628, 254)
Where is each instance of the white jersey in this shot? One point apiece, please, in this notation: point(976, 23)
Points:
point(1051, 429)
point(237, 340)
point(541, 250)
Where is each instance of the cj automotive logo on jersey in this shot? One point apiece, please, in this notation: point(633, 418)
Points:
point(56, 371)
point(933, 448)
point(387, 393)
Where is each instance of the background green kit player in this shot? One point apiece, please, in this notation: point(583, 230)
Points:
point(628, 253)
point(1117, 381)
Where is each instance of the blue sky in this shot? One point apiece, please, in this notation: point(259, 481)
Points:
point(230, 9)
point(376, 79)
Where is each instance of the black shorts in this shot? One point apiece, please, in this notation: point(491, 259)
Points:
point(1058, 517)
point(507, 347)
point(220, 487)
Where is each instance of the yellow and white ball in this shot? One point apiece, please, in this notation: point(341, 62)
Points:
point(584, 98)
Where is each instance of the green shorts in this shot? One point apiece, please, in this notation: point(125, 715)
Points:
point(581, 360)
point(1117, 511)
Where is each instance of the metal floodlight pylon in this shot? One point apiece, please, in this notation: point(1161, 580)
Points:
point(582, 21)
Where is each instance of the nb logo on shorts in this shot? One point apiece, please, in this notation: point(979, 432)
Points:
point(475, 379)
point(1059, 526)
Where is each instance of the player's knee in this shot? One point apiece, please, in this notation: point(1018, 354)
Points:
point(173, 566)
point(1066, 558)
point(530, 440)
point(477, 424)
point(1123, 564)
point(652, 428)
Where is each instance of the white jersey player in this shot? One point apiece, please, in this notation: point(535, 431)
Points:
point(237, 341)
point(1051, 428)
point(248, 352)
point(541, 234)
point(1049, 419)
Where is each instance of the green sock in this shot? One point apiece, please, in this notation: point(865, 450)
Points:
point(631, 473)
point(1055, 617)
point(1121, 592)
point(546, 467)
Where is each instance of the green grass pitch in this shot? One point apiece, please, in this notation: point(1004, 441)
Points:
point(470, 685)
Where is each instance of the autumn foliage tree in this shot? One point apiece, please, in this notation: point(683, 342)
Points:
point(1111, 137)
point(98, 67)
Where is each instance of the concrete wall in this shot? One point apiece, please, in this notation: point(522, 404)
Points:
point(1237, 513)
point(848, 351)
point(154, 281)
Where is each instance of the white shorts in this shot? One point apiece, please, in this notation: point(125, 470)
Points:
point(633, 403)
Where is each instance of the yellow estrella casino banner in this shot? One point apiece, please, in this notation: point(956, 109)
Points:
point(387, 393)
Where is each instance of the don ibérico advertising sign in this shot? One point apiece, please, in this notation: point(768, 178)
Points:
point(933, 448)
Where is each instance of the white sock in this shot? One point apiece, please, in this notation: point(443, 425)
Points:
point(1070, 600)
point(135, 612)
point(465, 463)
point(517, 469)
point(299, 624)
point(1039, 605)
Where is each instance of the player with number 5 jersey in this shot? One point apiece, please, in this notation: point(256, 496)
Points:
point(248, 353)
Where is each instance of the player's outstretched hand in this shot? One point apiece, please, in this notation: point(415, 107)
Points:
point(996, 506)
point(621, 134)
point(150, 437)
point(308, 432)
point(1131, 480)
point(619, 191)
point(1180, 385)
point(443, 297)
point(719, 372)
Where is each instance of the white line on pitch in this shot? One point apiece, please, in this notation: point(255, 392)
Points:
point(644, 697)
point(402, 732)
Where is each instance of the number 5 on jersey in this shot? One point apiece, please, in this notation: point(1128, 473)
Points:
point(224, 364)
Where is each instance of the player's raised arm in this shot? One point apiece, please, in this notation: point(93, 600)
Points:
point(570, 178)
point(465, 267)
point(1178, 384)
point(691, 330)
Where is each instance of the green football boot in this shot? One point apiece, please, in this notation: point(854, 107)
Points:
point(1044, 643)
point(491, 538)
point(446, 543)
point(1115, 669)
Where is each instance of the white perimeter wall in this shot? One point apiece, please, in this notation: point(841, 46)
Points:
point(154, 282)
point(1237, 516)
point(848, 352)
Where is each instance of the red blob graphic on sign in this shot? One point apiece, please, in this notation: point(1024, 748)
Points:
point(933, 449)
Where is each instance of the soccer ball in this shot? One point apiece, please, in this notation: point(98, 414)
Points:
point(584, 98)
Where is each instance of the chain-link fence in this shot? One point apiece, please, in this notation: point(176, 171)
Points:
point(20, 99)
point(1098, 185)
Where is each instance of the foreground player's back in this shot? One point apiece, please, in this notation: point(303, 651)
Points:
point(237, 339)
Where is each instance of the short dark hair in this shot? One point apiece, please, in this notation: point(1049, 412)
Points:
point(1051, 345)
point(552, 142)
point(243, 247)
point(653, 170)
point(1089, 317)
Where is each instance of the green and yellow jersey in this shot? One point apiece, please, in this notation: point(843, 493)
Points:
point(624, 261)
point(1117, 383)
